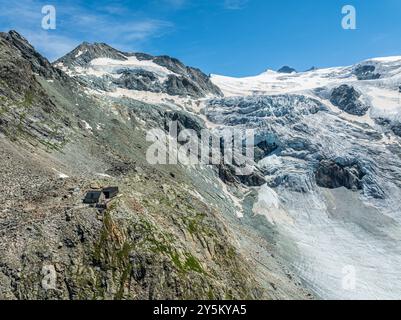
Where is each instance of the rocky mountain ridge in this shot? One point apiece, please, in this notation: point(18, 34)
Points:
point(173, 233)
point(179, 79)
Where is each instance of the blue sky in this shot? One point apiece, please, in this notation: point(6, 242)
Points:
point(231, 37)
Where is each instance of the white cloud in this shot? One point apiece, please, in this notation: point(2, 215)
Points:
point(24, 10)
point(111, 29)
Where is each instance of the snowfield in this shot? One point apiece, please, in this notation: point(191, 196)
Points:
point(107, 66)
point(383, 93)
point(100, 67)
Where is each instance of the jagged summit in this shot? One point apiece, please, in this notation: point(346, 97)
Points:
point(14, 36)
point(105, 68)
point(14, 42)
point(82, 55)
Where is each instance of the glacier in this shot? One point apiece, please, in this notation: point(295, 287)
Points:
point(348, 216)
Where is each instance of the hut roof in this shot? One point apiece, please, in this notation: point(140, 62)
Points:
point(93, 196)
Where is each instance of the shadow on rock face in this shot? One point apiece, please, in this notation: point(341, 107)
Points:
point(332, 175)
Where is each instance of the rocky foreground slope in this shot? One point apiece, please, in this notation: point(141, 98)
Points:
point(173, 232)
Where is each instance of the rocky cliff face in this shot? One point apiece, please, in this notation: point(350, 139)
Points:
point(26, 108)
point(13, 41)
point(173, 232)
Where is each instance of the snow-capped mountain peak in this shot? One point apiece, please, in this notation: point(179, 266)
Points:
point(110, 71)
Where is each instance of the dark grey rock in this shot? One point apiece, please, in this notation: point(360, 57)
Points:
point(286, 69)
point(347, 99)
point(396, 128)
point(143, 56)
point(181, 86)
point(184, 121)
point(189, 76)
point(138, 80)
point(227, 174)
point(366, 72)
point(263, 149)
point(335, 174)
point(38, 63)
